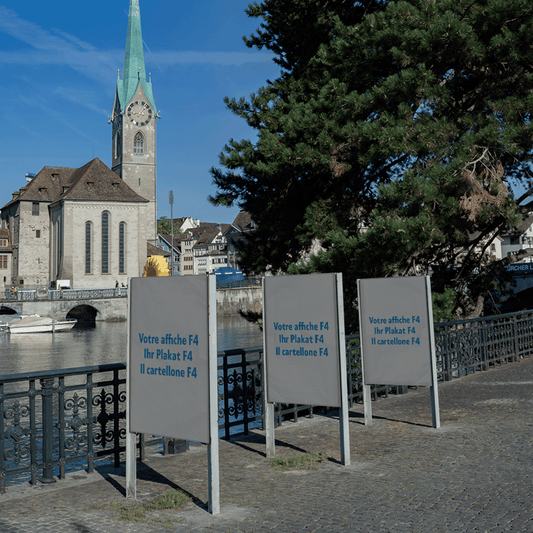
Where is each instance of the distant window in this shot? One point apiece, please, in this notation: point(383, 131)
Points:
point(138, 144)
point(3, 262)
point(88, 252)
point(121, 247)
point(105, 243)
point(3, 242)
point(38, 233)
point(35, 209)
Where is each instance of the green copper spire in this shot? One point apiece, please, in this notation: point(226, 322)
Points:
point(134, 68)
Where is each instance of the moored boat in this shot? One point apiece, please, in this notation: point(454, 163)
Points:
point(40, 324)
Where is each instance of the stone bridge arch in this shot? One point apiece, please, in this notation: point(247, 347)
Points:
point(97, 309)
point(7, 310)
point(84, 313)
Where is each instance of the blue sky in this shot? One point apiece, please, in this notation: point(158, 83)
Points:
point(59, 63)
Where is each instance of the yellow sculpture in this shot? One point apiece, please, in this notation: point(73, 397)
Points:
point(156, 265)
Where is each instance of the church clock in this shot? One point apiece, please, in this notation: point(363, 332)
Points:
point(140, 113)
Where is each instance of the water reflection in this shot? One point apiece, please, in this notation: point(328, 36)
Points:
point(236, 332)
point(102, 344)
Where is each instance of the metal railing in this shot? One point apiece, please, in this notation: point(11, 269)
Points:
point(469, 346)
point(64, 294)
point(91, 294)
point(239, 284)
point(54, 421)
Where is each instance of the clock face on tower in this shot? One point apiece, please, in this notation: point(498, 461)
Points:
point(140, 113)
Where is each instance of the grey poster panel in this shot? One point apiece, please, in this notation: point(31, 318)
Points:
point(395, 331)
point(169, 394)
point(301, 335)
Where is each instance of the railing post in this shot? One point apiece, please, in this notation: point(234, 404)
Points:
point(2, 452)
point(515, 338)
point(225, 388)
point(483, 344)
point(446, 357)
point(47, 384)
point(245, 392)
point(177, 446)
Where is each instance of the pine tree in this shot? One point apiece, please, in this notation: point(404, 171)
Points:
point(394, 137)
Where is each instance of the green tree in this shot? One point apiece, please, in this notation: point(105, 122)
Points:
point(163, 226)
point(394, 137)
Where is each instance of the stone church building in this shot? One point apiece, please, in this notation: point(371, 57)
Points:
point(91, 225)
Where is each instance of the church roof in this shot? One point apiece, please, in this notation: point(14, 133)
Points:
point(134, 67)
point(94, 181)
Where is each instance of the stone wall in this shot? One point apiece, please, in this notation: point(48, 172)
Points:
point(230, 301)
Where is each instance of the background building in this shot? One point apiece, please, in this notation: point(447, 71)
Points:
point(91, 225)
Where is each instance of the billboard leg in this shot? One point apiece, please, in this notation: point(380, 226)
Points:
point(213, 471)
point(435, 410)
point(344, 414)
point(270, 437)
point(367, 403)
point(131, 438)
point(213, 474)
point(344, 433)
point(131, 465)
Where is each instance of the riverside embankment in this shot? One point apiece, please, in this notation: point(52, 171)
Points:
point(471, 475)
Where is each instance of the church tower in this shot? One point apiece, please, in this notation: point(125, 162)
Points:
point(134, 123)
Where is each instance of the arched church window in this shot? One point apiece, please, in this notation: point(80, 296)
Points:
point(105, 242)
point(122, 248)
point(88, 247)
point(138, 144)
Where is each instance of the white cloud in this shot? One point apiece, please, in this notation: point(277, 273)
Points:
point(172, 58)
point(80, 97)
point(59, 47)
point(37, 102)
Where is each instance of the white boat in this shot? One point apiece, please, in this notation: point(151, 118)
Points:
point(40, 324)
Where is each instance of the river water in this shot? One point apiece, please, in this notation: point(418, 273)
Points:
point(101, 344)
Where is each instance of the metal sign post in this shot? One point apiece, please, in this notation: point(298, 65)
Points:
point(304, 348)
point(397, 337)
point(172, 349)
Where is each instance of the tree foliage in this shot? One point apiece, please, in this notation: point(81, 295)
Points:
point(394, 137)
point(164, 226)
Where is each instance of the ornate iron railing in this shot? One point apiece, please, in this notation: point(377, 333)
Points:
point(60, 420)
point(468, 346)
point(54, 421)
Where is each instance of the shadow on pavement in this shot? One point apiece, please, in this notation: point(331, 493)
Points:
point(146, 473)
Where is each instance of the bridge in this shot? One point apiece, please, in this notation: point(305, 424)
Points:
point(89, 305)
point(82, 304)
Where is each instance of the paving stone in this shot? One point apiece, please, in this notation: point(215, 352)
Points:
point(471, 475)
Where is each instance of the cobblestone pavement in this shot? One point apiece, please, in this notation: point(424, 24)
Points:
point(472, 474)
